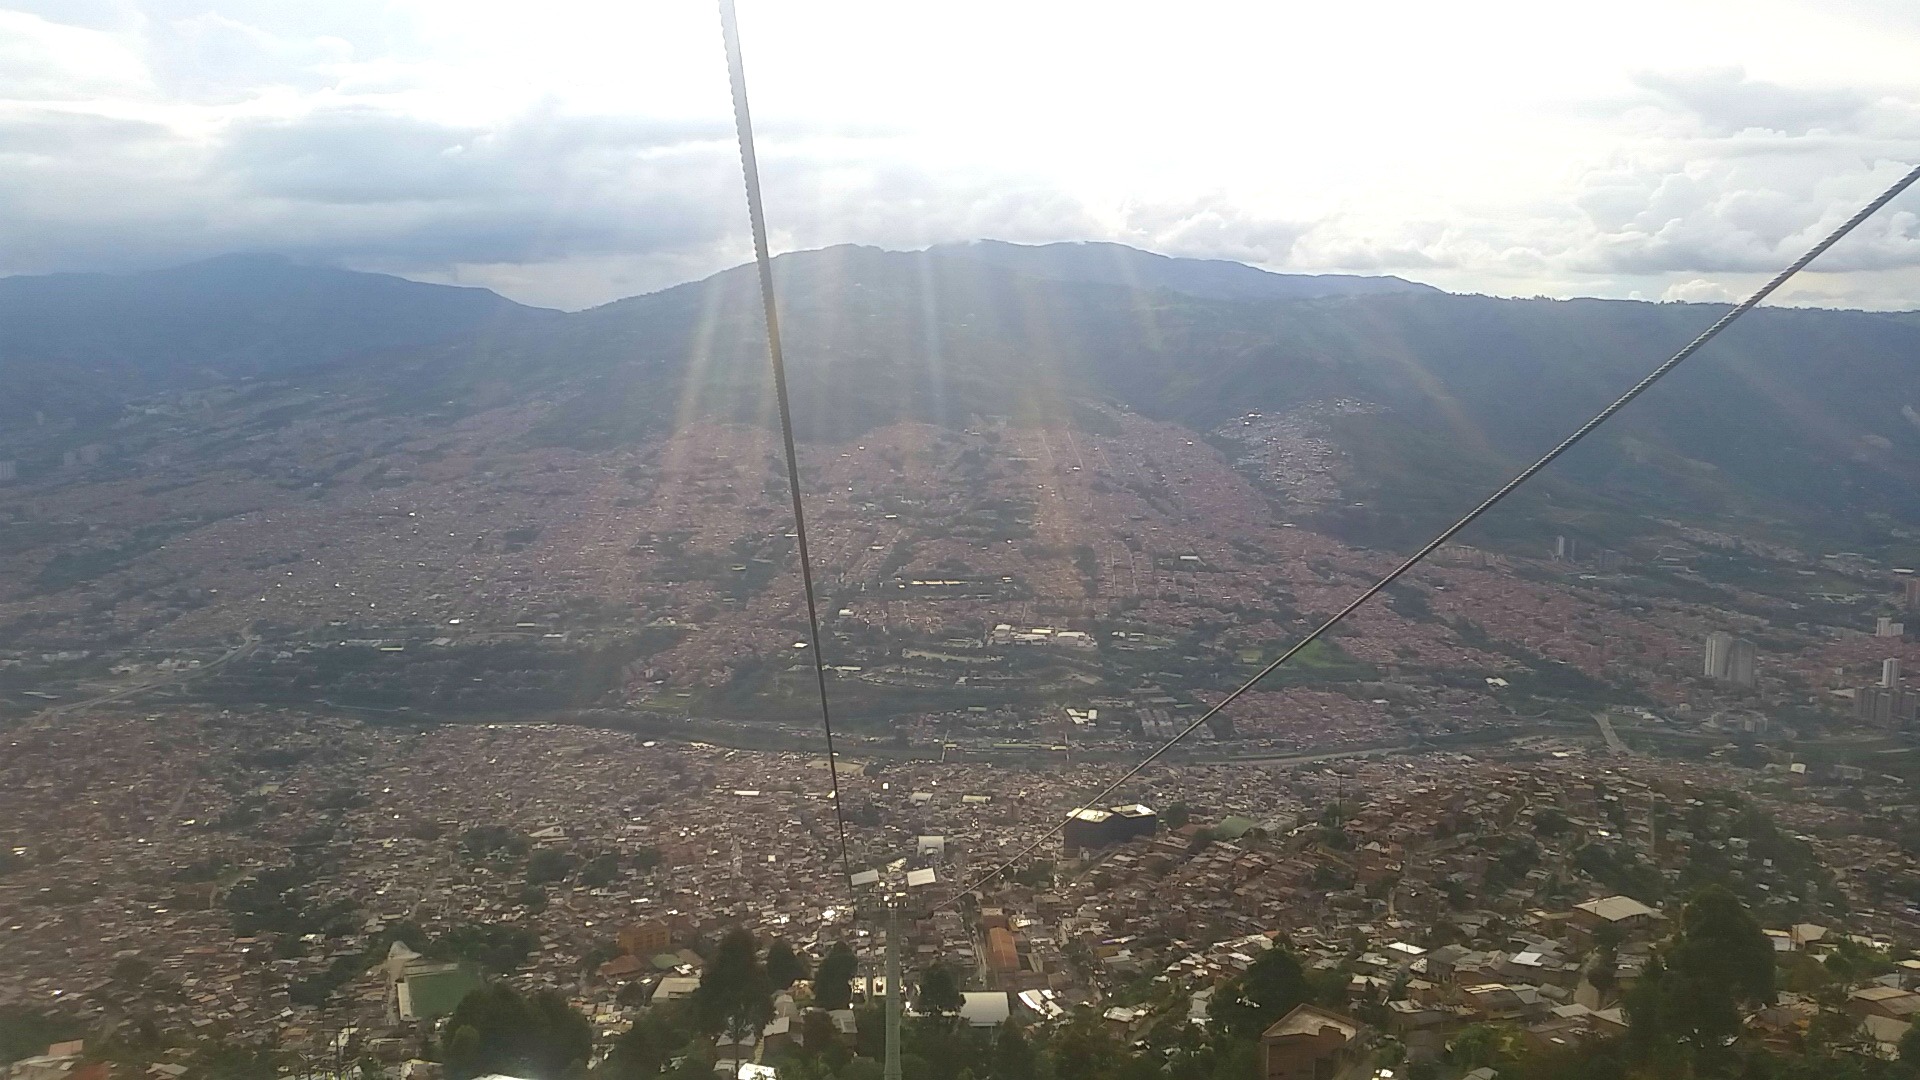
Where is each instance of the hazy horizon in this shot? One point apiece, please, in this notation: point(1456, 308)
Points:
point(1803, 302)
point(587, 154)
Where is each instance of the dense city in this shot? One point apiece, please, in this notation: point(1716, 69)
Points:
point(1451, 845)
point(319, 887)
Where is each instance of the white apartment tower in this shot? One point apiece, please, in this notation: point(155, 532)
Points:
point(1730, 659)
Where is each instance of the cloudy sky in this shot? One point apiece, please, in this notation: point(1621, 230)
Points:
point(567, 153)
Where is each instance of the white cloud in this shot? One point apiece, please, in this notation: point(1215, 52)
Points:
point(43, 60)
point(585, 152)
point(1701, 291)
point(1724, 101)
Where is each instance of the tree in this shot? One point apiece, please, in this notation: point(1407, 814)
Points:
point(1721, 960)
point(495, 1030)
point(734, 997)
point(1082, 1050)
point(637, 1054)
point(784, 968)
point(1550, 822)
point(833, 980)
point(1910, 1048)
point(1483, 1045)
point(1685, 1009)
point(1177, 816)
point(819, 1035)
point(548, 865)
point(1649, 1026)
point(1840, 966)
point(1013, 1057)
point(696, 1064)
point(600, 871)
point(1603, 970)
point(1271, 987)
point(495, 946)
point(940, 992)
point(26, 1031)
point(1236, 1061)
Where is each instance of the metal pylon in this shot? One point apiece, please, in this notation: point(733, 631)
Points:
point(892, 1070)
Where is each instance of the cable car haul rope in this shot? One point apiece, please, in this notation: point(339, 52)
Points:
point(757, 216)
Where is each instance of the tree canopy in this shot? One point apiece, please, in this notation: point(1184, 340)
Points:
point(1269, 989)
point(940, 991)
point(1720, 960)
point(833, 980)
point(494, 1029)
point(784, 966)
point(734, 997)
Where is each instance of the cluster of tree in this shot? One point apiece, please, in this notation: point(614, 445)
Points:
point(1686, 1021)
point(487, 841)
point(1622, 872)
point(735, 996)
point(26, 1031)
point(485, 678)
point(276, 900)
point(1686, 1017)
point(496, 1030)
point(492, 947)
point(1271, 987)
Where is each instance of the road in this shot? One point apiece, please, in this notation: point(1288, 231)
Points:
point(1606, 732)
point(246, 646)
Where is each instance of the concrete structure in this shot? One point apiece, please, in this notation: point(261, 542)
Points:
point(429, 990)
point(985, 1009)
point(1309, 1043)
point(1886, 627)
point(1719, 646)
point(1890, 673)
point(647, 939)
point(1730, 659)
point(1086, 829)
point(1888, 1001)
point(1003, 956)
point(1740, 666)
point(1090, 829)
point(9, 471)
point(1132, 820)
point(675, 987)
point(1621, 911)
point(1886, 707)
point(86, 455)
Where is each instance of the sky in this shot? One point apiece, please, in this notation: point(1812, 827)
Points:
point(571, 153)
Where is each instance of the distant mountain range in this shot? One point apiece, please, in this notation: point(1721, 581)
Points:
point(1213, 279)
point(73, 342)
point(1803, 420)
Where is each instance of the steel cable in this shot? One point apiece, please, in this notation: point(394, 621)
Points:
point(757, 218)
point(1506, 489)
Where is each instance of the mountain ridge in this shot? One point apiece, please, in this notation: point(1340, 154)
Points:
point(1795, 415)
point(1792, 413)
point(1099, 262)
point(89, 341)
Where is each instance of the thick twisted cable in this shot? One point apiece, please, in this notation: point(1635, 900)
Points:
point(757, 218)
point(1505, 490)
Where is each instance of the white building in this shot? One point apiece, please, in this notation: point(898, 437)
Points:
point(1730, 659)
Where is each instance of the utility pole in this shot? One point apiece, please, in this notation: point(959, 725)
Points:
point(892, 1070)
